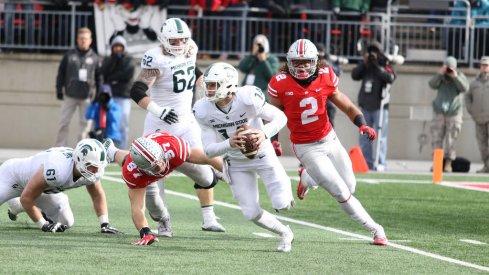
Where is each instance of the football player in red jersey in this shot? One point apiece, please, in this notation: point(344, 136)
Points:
point(149, 159)
point(301, 90)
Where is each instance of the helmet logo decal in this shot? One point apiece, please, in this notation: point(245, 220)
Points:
point(85, 148)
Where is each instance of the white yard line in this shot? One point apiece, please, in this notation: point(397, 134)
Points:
point(263, 235)
point(334, 230)
point(473, 242)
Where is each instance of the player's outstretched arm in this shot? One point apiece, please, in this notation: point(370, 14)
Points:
point(99, 201)
point(137, 196)
point(352, 111)
point(32, 191)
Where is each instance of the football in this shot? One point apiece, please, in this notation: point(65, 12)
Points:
point(249, 149)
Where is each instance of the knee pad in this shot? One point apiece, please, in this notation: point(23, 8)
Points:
point(214, 182)
point(343, 197)
point(286, 208)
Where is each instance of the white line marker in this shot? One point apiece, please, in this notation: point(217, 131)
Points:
point(473, 242)
point(357, 239)
point(334, 230)
point(264, 235)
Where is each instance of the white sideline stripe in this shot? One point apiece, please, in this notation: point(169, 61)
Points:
point(473, 242)
point(356, 239)
point(334, 230)
point(264, 235)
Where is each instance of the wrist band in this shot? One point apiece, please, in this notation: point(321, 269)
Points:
point(359, 120)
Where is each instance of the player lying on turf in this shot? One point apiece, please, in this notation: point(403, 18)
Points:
point(301, 90)
point(39, 181)
point(226, 107)
point(150, 159)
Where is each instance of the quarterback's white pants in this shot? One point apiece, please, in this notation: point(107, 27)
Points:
point(329, 165)
point(200, 174)
point(244, 183)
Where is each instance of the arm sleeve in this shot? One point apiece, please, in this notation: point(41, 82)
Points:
point(247, 64)
point(276, 118)
point(212, 148)
point(60, 78)
point(198, 73)
point(358, 71)
point(124, 74)
point(271, 67)
point(435, 81)
point(461, 82)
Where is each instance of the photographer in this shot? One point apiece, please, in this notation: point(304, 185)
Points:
point(451, 85)
point(258, 68)
point(103, 117)
point(375, 73)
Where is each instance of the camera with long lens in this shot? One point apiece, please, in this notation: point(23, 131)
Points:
point(261, 49)
point(449, 70)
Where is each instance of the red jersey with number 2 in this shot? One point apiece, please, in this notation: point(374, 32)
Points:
point(177, 149)
point(305, 107)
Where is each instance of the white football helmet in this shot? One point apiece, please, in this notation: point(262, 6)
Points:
point(224, 76)
point(90, 153)
point(147, 154)
point(302, 49)
point(174, 28)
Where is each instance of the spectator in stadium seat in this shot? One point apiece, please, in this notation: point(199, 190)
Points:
point(375, 73)
point(350, 33)
point(78, 75)
point(11, 14)
point(456, 36)
point(258, 68)
point(450, 84)
point(118, 71)
point(477, 102)
point(232, 27)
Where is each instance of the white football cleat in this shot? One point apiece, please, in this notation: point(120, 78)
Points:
point(286, 240)
point(379, 237)
point(164, 227)
point(213, 226)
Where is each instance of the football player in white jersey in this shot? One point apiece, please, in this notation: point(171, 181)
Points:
point(225, 108)
point(169, 73)
point(39, 181)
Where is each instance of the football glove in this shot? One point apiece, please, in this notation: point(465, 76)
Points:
point(54, 227)
point(106, 228)
point(168, 115)
point(147, 237)
point(366, 130)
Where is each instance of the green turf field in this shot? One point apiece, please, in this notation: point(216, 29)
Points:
point(425, 223)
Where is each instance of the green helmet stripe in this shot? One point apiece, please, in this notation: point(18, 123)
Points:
point(179, 25)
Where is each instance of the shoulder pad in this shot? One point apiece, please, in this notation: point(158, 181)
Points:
point(251, 96)
point(57, 169)
point(152, 59)
point(200, 108)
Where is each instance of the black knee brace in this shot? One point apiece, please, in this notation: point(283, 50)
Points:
point(214, 182)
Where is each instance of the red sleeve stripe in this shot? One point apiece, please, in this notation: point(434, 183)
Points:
point(335, 80)
point(271, 91)
point(182, 148)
